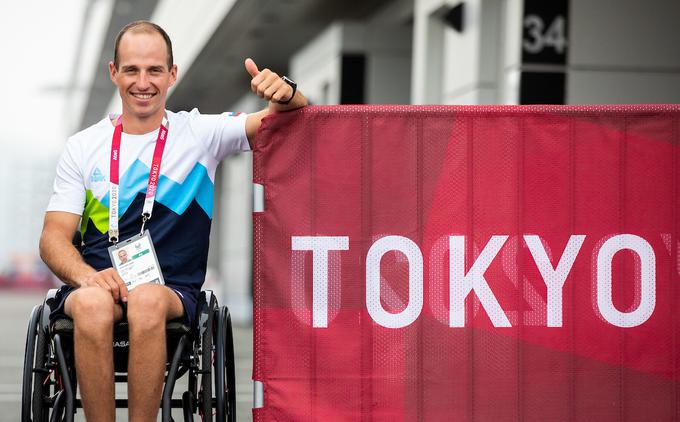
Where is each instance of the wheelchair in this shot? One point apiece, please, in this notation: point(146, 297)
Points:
point(204, 352)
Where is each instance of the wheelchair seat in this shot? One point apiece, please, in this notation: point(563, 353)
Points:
point(204, 352)
point(173, 327)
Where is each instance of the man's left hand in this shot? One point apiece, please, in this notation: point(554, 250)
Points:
point(271, 87)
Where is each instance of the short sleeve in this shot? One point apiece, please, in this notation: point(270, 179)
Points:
point(222, 134)
point(69, 189)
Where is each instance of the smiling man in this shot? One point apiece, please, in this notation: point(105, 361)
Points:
point(145, 176)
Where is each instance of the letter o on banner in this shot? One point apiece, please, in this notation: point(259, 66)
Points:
point(415, 281)
point(647, 280)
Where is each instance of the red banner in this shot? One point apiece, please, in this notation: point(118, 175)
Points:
point(468, 263)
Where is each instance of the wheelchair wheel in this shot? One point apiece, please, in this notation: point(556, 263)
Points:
point(41, 381)
point(205, 405)
point(34, 372)
point(225, 379)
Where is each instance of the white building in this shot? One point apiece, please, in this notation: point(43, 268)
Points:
point(378, 52)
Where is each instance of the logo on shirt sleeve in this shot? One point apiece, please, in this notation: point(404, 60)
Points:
point(97, 176)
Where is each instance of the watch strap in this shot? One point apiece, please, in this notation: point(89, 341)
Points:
point(293, 85)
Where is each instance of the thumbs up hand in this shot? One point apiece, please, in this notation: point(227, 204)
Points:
point(271, 87)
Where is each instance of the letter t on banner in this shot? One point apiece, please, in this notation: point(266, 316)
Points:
point(320, 245)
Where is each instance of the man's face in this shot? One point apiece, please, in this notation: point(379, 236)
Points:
point(122, 255)
point(142, 76)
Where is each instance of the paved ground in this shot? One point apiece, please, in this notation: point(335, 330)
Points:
point(15, 308)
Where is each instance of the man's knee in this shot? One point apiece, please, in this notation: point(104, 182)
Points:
point(147, 307)
point(90, 307)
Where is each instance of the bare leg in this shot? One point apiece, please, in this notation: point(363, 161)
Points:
point(149, 307)
point(94, 312)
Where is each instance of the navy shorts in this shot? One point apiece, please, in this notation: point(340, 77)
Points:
point(189, 298)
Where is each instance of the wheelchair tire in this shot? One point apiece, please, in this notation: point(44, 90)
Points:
point(40, 389)
point(225, 378)
point(205, 395)
point(35, 355)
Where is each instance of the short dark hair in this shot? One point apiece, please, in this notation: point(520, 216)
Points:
point(144, 27)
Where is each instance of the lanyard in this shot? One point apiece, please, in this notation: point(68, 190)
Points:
point(154, 172)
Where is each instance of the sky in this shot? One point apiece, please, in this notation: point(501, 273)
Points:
point(39, 42)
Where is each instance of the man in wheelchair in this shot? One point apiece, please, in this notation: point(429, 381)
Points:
point(140, 182)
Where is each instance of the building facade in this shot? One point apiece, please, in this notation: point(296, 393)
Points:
point(385, 52)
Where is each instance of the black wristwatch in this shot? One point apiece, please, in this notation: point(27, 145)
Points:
point(293, 85)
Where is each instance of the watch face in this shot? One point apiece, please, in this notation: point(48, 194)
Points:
point(289, 81)
point(293, 85)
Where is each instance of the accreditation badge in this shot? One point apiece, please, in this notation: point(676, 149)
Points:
point(136, 261)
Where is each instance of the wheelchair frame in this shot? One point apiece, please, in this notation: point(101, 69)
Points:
point(204, 351)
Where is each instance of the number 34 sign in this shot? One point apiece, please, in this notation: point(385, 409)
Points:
point(544, 39)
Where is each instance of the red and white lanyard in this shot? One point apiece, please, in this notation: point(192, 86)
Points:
point(154, 173)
